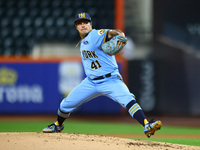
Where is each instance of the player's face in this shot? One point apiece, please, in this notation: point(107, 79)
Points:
point(83, 27)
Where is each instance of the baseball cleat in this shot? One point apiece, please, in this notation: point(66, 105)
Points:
point(151, 127)
point(54, 127)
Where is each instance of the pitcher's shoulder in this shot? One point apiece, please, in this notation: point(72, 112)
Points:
point(99, 31)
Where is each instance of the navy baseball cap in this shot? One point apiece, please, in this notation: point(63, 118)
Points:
point(82, 15)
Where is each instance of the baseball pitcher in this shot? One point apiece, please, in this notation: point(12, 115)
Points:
point(98, 49)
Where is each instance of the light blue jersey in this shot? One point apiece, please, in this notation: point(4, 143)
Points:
point(95, 61)
point(97, 64)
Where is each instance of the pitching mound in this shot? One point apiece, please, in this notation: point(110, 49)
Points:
point(63, 141)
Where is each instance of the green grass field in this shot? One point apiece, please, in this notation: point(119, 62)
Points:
point(86, 127)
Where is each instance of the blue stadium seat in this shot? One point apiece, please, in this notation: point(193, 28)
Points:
point(60, 22)
point(57, 3)
point(10, 3)
point(56, 12)
point(8, 42)
point(17, 32)
point(23, 12)
point(44, 4)
point(21, 4)
point(49, 22)
point(33, 3)
point(27, 22)
point(62, 32)
point(16, 22)
point(68, 12)
point(67, 4)
point(11, 12)
point(45, 12)
point(39, 33)
point(5, 32)
point(34, 12)
point(38, 22)
point(28, 32)
point(5, 22)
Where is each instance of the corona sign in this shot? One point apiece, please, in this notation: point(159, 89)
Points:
point(13, 93)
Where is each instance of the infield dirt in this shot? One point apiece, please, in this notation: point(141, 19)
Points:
point(68, 141)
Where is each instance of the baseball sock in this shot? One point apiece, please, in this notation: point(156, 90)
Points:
point(61, 116)
point(136, 112)
point(60, 120)
point(140, 117)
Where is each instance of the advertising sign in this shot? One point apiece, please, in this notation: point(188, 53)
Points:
point(28, 88)
point(38, 87)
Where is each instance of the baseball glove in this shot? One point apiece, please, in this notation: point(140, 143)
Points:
point(110, 47)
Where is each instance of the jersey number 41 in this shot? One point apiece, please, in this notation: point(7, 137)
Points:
point(95, 64)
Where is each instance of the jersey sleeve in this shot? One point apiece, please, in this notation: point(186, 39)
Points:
point(102, 37)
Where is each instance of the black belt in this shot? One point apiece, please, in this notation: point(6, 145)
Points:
point(102, 77)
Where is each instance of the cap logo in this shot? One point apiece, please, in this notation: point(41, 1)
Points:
point(81, 15)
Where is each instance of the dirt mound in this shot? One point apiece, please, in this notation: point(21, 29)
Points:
point(63, 141)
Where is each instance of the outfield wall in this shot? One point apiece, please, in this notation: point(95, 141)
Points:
point(33, 86)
